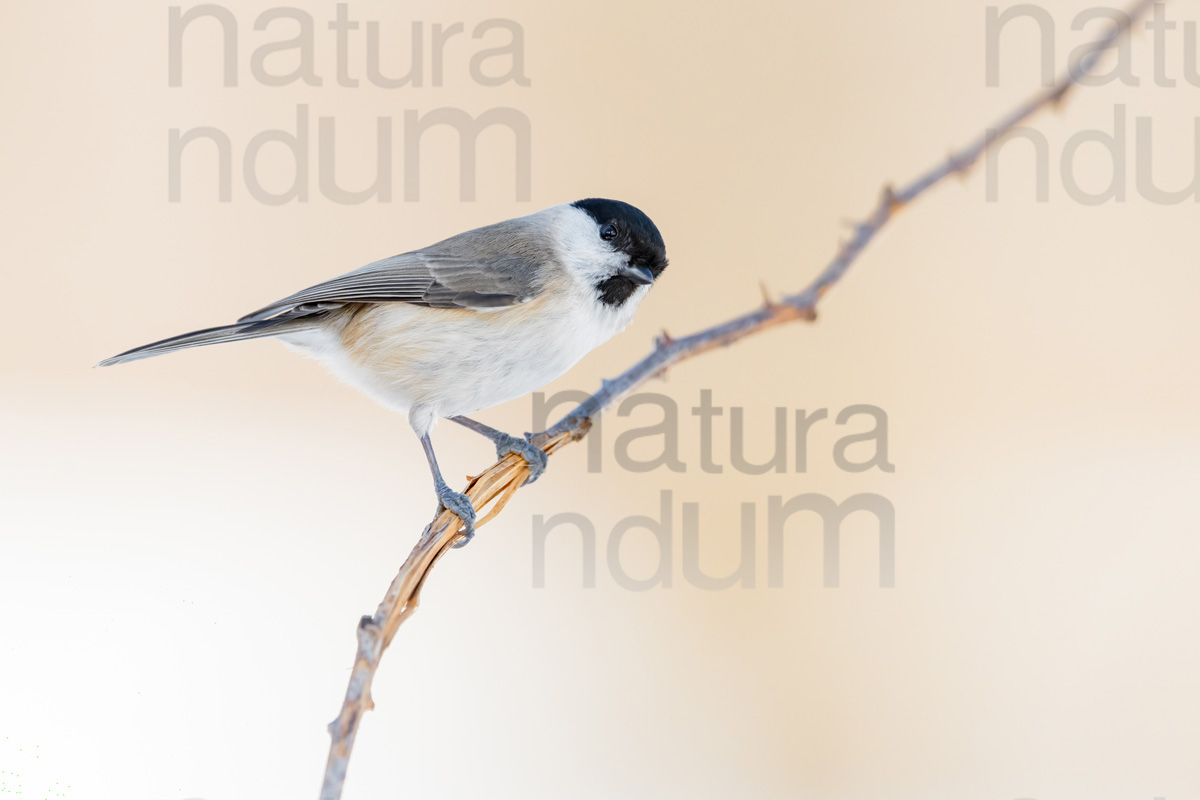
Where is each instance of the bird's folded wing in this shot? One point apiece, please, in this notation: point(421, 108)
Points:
point(476, 270)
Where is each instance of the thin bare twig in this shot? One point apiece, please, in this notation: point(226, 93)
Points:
point(499, 482)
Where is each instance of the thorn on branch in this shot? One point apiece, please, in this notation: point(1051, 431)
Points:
point(889, 201)
point(663, 341)
point(769, 303)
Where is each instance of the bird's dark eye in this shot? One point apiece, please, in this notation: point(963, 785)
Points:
point(608, 232)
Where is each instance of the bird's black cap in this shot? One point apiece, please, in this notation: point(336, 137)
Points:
point(637, 235)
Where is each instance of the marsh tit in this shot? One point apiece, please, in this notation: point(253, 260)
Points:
point(468, 323)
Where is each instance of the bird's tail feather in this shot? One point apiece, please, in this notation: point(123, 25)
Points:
point(237, 332)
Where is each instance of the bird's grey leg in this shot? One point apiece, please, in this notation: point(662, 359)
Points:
point(457, 504)
point(505, 444)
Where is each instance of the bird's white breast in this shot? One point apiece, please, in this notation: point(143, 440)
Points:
point(437, 363)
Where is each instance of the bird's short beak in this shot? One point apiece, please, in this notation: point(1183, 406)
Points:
point(642, 276)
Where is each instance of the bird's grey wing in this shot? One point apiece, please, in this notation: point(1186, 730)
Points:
point(481, 269)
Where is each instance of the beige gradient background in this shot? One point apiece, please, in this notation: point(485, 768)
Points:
point(189, 542)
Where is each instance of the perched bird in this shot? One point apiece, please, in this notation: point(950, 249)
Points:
point(481, 318)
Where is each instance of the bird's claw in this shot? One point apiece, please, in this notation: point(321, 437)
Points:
point(534, 456)
point(460, 506)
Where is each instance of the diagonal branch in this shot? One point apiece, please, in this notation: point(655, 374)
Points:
point(499, 482)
